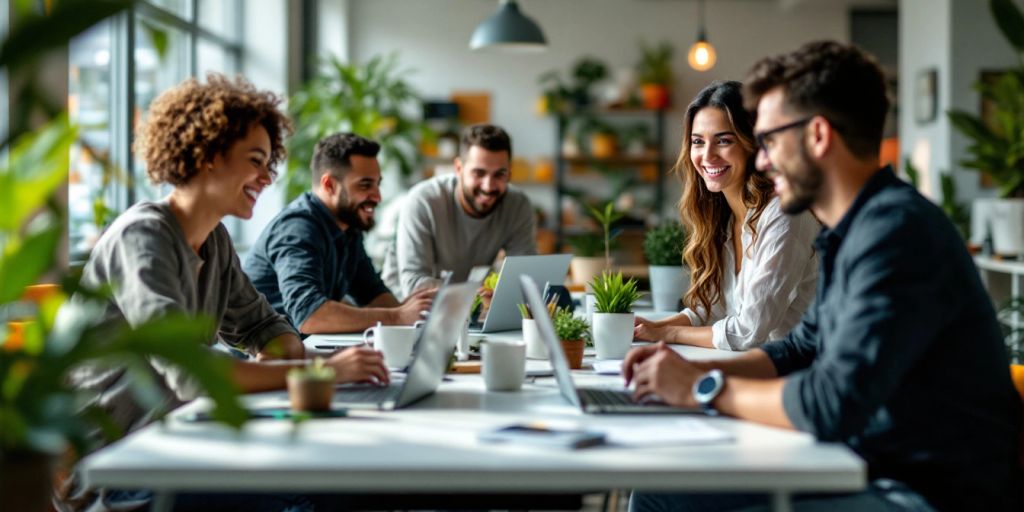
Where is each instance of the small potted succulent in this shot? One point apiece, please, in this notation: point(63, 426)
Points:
point(663, 247)
point(655, 70)
point(613, 314)
point(574, 334)
point(535, 348)
point(311, 388)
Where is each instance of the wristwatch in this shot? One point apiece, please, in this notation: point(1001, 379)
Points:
point(707, 388)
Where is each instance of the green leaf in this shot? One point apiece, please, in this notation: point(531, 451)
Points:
point(1010, 21)
point(158, 37)
point(37, 165)
point(24, 261)
point(36, 34)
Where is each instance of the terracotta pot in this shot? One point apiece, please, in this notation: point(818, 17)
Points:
point(25, 480)
point(655, 96)
point(310, 394)
point(573, 352)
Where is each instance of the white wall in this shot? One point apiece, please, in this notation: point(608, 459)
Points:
point(432, 37)
point(959, 39)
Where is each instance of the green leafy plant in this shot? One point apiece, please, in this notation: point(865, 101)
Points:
point(587, 245)
point(957, 213)
point(315, 370)
point(605, 217)
point(613, 294)
point(371, 100)
point(997, 145)
point(655, 65)
point(41, 415)
point(569, 327)
point(489, 283)
point(664, 244)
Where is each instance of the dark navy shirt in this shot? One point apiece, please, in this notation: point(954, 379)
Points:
point(303, 259)
point(901, 356)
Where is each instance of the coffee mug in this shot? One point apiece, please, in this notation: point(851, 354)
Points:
point(504, 365)
point(394, 342)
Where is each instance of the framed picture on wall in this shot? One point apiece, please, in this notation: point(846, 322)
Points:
point(925, 96)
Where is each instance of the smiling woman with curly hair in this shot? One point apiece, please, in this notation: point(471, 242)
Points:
point(217, 144)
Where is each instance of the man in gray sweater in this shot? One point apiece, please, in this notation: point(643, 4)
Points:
point(458, 222)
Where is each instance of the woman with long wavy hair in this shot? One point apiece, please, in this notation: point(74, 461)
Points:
point(752, 267)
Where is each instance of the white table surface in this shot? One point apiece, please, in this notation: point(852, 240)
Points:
point(432, 447)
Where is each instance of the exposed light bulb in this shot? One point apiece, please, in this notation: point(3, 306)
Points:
point(701, 56)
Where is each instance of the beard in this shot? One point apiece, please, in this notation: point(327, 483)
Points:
point(470, 198)
point(804, 184)
point(348, 213)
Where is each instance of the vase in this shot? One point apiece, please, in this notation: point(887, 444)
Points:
point(668, 284)
point(613, 334)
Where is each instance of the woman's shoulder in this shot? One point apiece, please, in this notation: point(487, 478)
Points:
point(143, 221)
point(773, 215)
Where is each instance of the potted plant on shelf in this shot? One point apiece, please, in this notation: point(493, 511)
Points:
point(603, 139)
point(311, 388)
point(371, 99)
point(655, 70)
point(613, 314)
point(995, 147)
point(535, 348)
point(573, 334)
point(663, 247)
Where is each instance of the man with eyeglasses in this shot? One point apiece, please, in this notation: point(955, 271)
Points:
point(900, 357)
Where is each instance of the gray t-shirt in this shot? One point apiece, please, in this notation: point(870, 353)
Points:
point(435, 234)
point(145, 257)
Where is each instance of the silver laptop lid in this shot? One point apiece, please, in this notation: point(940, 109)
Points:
point(436, 345)
point(547, 268)
point(547, 333)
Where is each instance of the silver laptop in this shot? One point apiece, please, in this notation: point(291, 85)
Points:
point(503, 314)
point(431, 354)
point(590, 400)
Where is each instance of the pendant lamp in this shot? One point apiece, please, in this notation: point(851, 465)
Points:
point(702, 54)
point(508, 29)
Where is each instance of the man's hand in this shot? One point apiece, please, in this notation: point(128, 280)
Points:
point(285, 346)
point(359, 364)
point(411, 310)
point(648, 330)
point(658, 370)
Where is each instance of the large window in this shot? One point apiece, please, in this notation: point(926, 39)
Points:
point(116, 69)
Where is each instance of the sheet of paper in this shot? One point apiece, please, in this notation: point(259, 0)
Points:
point(608, 366)
point(676, 431)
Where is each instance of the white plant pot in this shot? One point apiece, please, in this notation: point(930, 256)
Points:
point(981, 220)
point(584, 268)
point(535, 348)
point(668, 284)
point(613, 334)
point(1007, 219)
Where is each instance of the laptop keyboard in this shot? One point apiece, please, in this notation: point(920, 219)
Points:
point(597, 396)
point(367, 394)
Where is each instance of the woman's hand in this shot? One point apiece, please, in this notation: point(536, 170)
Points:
point(359, 364)
point(648, 330)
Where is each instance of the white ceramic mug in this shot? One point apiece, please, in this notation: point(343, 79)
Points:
point(394, 342)
point(504, 365)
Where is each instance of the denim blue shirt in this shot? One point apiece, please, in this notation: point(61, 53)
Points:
point(303, 259)
point(901, 356)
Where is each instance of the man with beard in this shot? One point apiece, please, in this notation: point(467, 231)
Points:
point(900, 357)
point(311, 255)
point(458, 222)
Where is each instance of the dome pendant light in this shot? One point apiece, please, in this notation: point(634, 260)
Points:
point(702, 54)
point(510, 30)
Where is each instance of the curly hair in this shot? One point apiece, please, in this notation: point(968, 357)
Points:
point(188, 125)
point(706, 214)
point(839, 82)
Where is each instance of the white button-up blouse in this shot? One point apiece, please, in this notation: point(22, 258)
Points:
point(775, 284)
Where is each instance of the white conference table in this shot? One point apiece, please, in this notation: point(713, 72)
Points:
point(432, 447)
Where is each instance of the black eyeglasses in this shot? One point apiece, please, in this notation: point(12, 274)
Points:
point(767, 133)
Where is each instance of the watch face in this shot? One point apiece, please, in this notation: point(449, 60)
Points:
point(706, 385)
